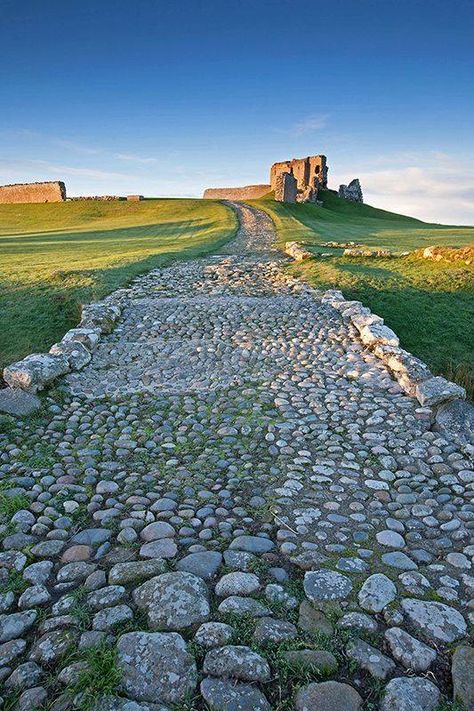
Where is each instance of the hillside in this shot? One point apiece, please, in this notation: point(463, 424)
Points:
point(429, 304)
point(55, 256)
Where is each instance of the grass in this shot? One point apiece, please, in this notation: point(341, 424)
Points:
point(55, 256)
point(100, 678)
point(10, 505)
point(429, 304)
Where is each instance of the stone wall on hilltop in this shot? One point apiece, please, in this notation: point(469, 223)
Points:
point(247, 192)
point(53, 191)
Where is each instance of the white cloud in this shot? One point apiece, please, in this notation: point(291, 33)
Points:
point(434, 187)
point(132, 157)
point(32, 167)
point(78, 147)
point(313, 123)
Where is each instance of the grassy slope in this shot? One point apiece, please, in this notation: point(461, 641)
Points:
point(53, 257)
point(429, 304)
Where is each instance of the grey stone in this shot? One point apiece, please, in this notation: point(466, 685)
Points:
point(438, 390)
point(328, 695)
point(243, 606)
point(17, 402)
point(106, 597)
point(173, 601)
point(252, 544)
point(111, 617)
point(236, 661)
point(32, 698)
point(221, 695)
point(204, 564)
point(49, 648)
point(156, 667)
point(157, 530)
point(214, 634)
point(370, 658)
point(76, 353)
point(24, 676)
point(162, 548)
point(135, 571)
point(11, 650)
point(269, 630)
point(358, 620)
point(435, 620)
point(324, 585)
point(313, 621)
point(35, 371)
point(399, 560)
point(408, 650)
point(376, 593)
point(92, 536)
point(47, 549)
point(455, 418)
point(462, 671)
point(392, 539)
point(16, 624)
point(237, 583)
point(410, 694)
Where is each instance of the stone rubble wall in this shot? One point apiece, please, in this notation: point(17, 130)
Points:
point(413, 376)
point(295, 250)
point(73, 352)
point(106, 198)
point(286, 188)
point(247, 192)
point(54, 191)
point(448, 254)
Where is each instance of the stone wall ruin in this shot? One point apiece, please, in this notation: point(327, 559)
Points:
point(352, 192)
point(51, 191)
point(286, 188)
point(247, 192)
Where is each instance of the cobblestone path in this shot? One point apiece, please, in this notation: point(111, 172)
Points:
point(233, 506)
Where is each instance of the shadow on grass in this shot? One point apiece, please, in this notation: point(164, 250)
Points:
point(48, 241)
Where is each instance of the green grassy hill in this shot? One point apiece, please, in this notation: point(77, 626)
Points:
point(429, 304)
point(55, 256)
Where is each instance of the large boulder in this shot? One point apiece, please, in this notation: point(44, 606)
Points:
point(435, 620)
point(156, 667)
point(89, 337)
point(456, 418)
point(410, 694)
point(438, 390)
point(35, 371)
point(76, 353)
point(18, 402)
point(99, 315)
point(174, 601)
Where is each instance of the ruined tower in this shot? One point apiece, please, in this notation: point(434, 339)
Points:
point(311, 171)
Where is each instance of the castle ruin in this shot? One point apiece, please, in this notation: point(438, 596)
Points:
point(52, 191)
point(295, 180)
point(311, 171)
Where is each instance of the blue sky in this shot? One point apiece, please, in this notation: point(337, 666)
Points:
point(167, 98)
